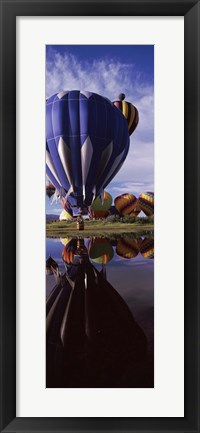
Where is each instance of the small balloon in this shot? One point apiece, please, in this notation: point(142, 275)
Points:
point(129, 111)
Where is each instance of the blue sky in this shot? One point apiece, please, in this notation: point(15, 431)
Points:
point(110, 70)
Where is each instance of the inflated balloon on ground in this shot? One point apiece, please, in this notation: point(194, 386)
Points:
point(146, 202)
point(127, 204)
point(65, 216)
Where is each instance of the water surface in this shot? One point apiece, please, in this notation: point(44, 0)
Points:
point(126, 264)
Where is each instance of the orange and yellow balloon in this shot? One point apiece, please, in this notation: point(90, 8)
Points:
point(127, 204)
point(146, 202)
point(129, 111)
point(147, 248)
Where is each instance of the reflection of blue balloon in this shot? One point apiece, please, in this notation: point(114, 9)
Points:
point(87, 143)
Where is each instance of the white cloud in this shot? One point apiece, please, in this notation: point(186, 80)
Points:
point(105, 76)
point(130, 187)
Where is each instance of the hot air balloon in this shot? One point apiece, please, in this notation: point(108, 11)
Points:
point(65, 241)
point(50, 189)
point(65, 216)
point(74, 248)
point(127, 204)
point(147, 248)
point(99, 208)
point(146, 202)
point(69, 251)
point(101, 251)
point(87, 141)
point(127, 248)
point(129, 111)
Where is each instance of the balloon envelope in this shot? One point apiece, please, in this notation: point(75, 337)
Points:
point(69, 251)
point(104, 204)
point(130, 112)
point(147, 248)
point(101, 251)
point(146, 202)
point(65, 216)
point(127, 248)
point(127, 204)
point(65, 241)
point(50, 190)
point(99, 208)
point(87, 141)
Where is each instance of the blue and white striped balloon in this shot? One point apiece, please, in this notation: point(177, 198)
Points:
point(87, 141)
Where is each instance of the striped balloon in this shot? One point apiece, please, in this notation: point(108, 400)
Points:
point(146, 202)
point(147, 248)
point(127, 248)
point(127, 204)
point(99, 208)
point(129, 111)
point(87, 141)
point(69, 251)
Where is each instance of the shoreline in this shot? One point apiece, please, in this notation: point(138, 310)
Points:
point(95, 228)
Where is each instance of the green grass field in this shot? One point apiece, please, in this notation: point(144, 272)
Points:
point(96, 228)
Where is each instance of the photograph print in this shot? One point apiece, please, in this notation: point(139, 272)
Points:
point(99, 216)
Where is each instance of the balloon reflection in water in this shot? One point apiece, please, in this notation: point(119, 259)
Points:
point(100, 250)
point(87, 141)
point(92, 338)
point(65, 241)
point(75, 247)
point(147, 248)
point(127, 248)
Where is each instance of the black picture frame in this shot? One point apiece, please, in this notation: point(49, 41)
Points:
point(190, 9)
